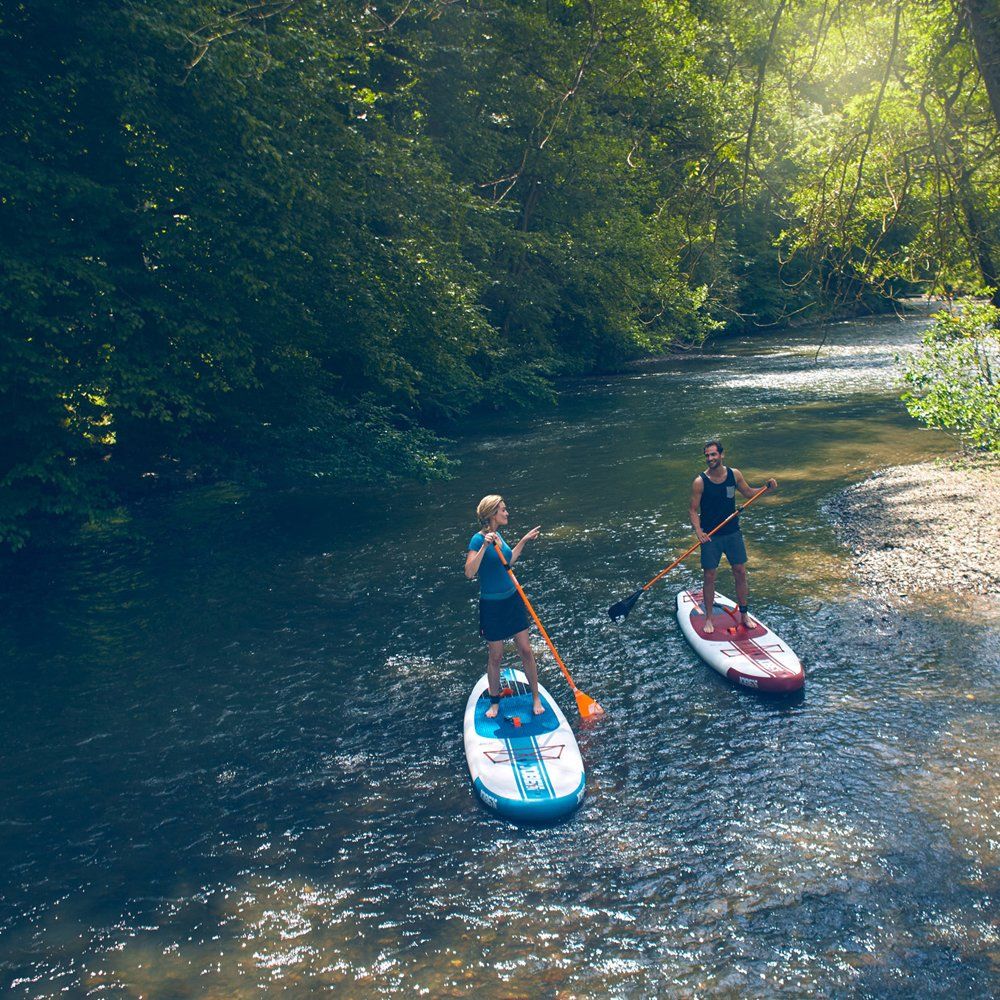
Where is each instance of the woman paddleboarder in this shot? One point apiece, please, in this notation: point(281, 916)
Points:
point(502, 614)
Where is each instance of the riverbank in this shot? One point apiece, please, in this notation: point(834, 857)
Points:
point(926, 527)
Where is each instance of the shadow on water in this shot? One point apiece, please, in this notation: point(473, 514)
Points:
point(232, 755)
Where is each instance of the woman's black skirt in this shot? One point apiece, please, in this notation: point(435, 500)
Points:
point(503, 619)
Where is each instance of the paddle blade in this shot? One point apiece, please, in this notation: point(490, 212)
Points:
point(622, 608)
point(587, 706)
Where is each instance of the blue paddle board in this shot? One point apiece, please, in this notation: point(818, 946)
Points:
point(526, 767)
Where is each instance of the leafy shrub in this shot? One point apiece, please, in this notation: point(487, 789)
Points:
point(951, 384)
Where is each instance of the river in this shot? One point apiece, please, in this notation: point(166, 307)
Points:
point(232, 753)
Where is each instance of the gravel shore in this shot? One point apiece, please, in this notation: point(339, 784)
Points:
point(928, 527)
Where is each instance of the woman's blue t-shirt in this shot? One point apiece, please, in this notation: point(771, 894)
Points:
point(494, 581)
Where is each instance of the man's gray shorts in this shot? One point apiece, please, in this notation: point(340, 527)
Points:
point(731, 544)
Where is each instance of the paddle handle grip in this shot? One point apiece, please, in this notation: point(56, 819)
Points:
point(681, 558)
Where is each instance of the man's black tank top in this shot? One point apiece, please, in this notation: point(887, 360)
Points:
point(717, 503)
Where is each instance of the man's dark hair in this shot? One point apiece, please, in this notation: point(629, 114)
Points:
point(718, 444)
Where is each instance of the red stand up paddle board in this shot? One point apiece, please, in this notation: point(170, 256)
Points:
point(752, 657)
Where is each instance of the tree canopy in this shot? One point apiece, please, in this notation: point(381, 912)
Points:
point(304, 238)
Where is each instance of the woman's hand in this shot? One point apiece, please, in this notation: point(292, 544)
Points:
point(530, 536)
point(491, 538)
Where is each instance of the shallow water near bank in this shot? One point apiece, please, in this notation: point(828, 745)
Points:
point(232, 755)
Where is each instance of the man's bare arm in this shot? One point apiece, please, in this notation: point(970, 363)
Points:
point(746, 489)
point(697, 490)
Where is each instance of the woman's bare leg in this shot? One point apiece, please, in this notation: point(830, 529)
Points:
point(493, 675)
point(530, 668)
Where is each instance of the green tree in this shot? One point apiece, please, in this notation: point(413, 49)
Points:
point(306, 238)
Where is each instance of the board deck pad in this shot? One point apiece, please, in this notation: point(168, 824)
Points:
point(514, 706)
point(525, 766)
point(727, 627)
point(753, 657)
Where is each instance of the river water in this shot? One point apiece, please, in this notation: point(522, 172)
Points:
point(232, 752)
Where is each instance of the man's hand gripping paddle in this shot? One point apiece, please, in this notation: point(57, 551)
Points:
point(587, 706)
point(620, 610)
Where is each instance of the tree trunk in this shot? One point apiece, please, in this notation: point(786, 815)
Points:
point(984, 244)
point(983, 17)
point(982, 236)
point(758, 95)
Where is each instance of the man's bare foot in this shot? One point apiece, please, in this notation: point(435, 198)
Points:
point(538, 708)
point(493, 711)
point(708, 628)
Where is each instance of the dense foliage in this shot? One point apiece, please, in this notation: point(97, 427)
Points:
point(954, 382)
point(299, 238)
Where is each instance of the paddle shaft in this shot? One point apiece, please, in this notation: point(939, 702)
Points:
point(679, 559)
point(538, 622)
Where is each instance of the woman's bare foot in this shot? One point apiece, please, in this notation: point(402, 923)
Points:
point(708, 628)
point(538, 708)
point(493, 711)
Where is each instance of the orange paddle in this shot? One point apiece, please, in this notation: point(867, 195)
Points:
point(587, 706)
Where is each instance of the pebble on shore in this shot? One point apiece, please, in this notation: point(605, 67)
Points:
point(927, 527)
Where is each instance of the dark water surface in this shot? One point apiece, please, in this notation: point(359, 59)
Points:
point(232, 754)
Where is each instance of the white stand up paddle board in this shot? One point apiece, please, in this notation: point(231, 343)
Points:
point(527, 767)
point(753, 657)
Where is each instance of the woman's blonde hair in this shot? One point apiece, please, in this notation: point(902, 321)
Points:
point(487, 507)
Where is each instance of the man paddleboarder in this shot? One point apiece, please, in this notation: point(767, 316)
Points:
point(713, 499)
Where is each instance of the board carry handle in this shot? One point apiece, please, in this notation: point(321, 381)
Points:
point(622, 608)
point(584, 703)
